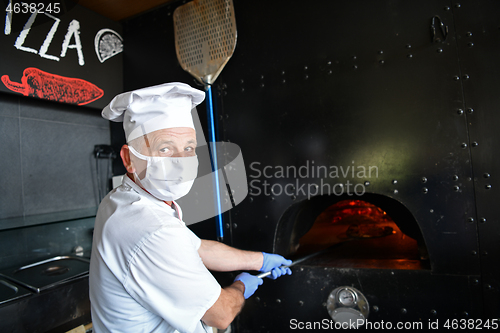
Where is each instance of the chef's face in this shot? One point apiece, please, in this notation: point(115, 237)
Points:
point(170, 142)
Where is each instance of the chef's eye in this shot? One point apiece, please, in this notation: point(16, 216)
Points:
point(165, 151)
point(190, 150)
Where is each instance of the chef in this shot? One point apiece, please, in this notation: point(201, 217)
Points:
point(148, 271)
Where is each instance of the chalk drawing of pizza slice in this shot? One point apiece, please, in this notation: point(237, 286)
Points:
point(37, 83)
point(107, 43)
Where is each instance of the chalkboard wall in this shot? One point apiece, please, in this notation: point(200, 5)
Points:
point(63, 53)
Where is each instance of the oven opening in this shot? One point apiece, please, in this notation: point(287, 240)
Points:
point(372, 231)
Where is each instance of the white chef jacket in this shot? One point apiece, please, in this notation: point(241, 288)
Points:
point(145, 271)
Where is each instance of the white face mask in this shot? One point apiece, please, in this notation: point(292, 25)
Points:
point(168, 178)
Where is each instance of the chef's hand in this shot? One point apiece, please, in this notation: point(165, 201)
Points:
point(251, 283)
point(273, 263)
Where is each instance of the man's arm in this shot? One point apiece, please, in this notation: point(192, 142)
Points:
point(222, 258)
point(227, 306)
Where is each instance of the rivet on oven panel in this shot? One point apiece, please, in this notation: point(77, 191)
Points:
point(283, 81)
point(433, 312)
point(446, 8)
point(488, 187)
point(396, 191)
point(475, 281)
point(282, 72)
point(475, 144)
point(272, 199)
point(474, 253)
point(394, 181)
point(242, 81)
point(375, 308)
point(381, 62)
point(456, 78)
point(301, 269)
point(262, 85)
point(485, 253)
point(278, 300)
point(460, 112)
point(235, 225)
point(488, 286)
point(486, 175)
point(482, 220)
point(242, 89)
point(381, 52)
point(408, 46)
point(301, 303)
point(294, 197)
point(463, 145)
point(367, 183)
point(257, 299)
point(354, 57)
point(423, 180)
point(251, 199)
point(330, 72)
point(466, 77)
point(468, 34)
point(470, 219)
point(431, 211)
point(355, 67)
point(409, 55)
point(262, 77)
point(425, 190)
point(457, 5)
point(440, 50)
point(455, 177)
point(305, 68)
point(456, 188)
point(465, 314)
point(329, 63)
point(392, 273)
point(227, 225)
point(470, 44)
point(470, 110)
point(306, 77)
point(404, 311)
point(265, 216)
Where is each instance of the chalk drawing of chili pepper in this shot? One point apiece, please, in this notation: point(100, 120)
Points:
point(37, 83)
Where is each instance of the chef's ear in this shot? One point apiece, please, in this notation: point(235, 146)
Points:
point(125, 155)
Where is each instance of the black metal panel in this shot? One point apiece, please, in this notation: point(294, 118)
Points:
point(353, 84)
point(478, 35)
point(409, 297)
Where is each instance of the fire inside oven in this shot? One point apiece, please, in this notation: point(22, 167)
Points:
point(354, 233)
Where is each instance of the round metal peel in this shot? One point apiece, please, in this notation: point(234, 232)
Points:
point(205, 37)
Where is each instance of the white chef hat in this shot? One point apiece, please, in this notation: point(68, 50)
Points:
point(150, 109)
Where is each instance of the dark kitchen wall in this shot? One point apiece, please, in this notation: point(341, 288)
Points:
point(360, 84)
point(48, 192)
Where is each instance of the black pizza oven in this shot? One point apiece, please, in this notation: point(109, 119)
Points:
point(353, 232)
point(367, 263)
point(406, 88)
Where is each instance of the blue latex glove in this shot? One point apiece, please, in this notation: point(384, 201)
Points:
point(272, 262)
point(279, 271)
point(251, 283)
